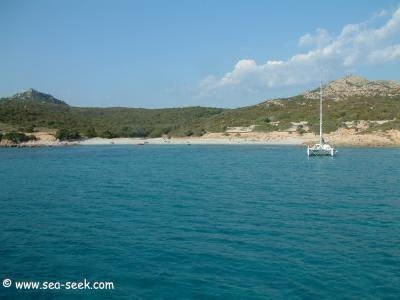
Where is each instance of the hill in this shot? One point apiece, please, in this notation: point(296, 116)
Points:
point(355, 86)
point(350, 102)
point(33, 96)
point(35, 110)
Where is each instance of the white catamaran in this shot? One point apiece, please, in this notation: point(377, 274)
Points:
point(322, 148)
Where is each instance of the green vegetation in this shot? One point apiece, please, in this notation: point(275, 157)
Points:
point(65, 134)
point(90, 132)
point(17, 137)
point(300, 130)
point(104, 122)
point(278, 115)
point(28, 113)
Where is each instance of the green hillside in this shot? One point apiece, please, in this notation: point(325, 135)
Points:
point(279, 114)
point(33, 110)
point(26, 114)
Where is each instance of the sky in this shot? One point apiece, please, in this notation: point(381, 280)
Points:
point(185, 53)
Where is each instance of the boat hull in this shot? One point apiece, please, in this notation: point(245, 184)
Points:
point(321, 150)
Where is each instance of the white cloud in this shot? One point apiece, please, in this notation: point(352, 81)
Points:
point(385, 55)
point(319, 39)
point(363, 44)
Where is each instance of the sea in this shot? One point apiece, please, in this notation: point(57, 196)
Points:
point(199, 222)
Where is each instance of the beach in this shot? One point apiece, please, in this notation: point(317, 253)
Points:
point(340, 138)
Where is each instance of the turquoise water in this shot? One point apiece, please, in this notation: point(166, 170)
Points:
point(226, 222)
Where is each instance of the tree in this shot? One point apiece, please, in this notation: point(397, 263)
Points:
point(65, 134)
point(107, 134)
point(90, 132)
point(18, 137)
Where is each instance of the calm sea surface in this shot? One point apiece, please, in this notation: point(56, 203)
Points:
point(226, 222)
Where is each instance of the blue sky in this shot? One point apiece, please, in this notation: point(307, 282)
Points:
point(180, 53)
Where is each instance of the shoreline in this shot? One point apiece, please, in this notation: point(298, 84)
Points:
point(339, 138)
point(147, 141)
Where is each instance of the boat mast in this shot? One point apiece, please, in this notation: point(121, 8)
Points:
point(320, 113)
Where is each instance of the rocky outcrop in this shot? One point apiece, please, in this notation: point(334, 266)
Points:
point(350, 86)
point(34, 95)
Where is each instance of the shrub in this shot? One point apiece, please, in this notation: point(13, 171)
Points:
point(30, 128)
point(284, 125)
point(262, 121)
point(90, 132)
point(140, 132)
point(65, 134)
point(158, 132)
point(198, 132)
point(188, 132)
point(107, 134)
point(300, 130)
point(18, 137)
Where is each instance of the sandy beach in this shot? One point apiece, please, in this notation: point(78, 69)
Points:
point(341, 137)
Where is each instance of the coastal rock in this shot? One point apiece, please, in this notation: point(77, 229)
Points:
point(350, 86)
